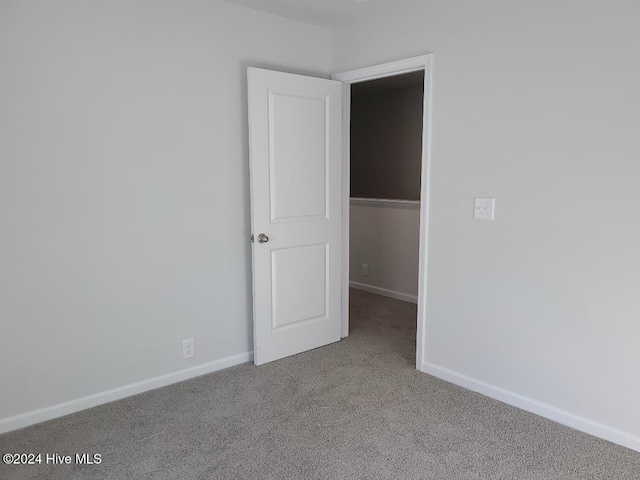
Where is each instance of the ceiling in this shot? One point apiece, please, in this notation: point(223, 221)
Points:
point(325, 13)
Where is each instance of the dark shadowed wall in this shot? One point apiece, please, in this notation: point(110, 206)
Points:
point(386, 140)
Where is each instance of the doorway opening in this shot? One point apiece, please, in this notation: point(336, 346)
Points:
point(386, 194)
point(384, 211)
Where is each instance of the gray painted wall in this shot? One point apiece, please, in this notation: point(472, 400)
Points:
point(537, 104)
point(124, 187)
point(386, 142)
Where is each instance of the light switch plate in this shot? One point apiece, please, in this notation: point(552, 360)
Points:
point(484, 208)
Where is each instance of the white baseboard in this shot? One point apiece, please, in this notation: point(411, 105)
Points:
point(48, 413)
point(384, 292)
point(569, 419)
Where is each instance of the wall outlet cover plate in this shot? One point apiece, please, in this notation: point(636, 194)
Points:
point(484, 208)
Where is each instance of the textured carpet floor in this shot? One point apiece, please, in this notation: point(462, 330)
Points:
point(356, 409)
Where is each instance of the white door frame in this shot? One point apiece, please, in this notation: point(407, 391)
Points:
point(424, 62)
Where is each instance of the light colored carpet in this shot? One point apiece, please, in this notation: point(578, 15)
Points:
point(356, 409)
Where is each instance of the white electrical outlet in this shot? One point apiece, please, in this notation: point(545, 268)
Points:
point(484, 208)
point(188, 348)
point(365, 270)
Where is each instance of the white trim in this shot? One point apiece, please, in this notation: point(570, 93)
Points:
point(346, 194)
point(48, 413)
point(545, 410)
point(390, 69)
point(424, 62)
point(384, 292)
point(385, 202)
point(425, 198)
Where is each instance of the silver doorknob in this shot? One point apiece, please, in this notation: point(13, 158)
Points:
point(262, 238)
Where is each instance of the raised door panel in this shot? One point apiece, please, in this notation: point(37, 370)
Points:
point(299, 286)
point(297, 156)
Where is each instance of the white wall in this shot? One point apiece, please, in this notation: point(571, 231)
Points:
point(124, 187)
point(537, 104)
point(385, 237)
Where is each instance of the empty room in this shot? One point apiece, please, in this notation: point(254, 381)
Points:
point(215, 265)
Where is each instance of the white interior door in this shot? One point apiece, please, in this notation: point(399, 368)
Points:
point(295, 130)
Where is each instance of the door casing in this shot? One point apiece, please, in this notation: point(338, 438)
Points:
point(414, 64)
